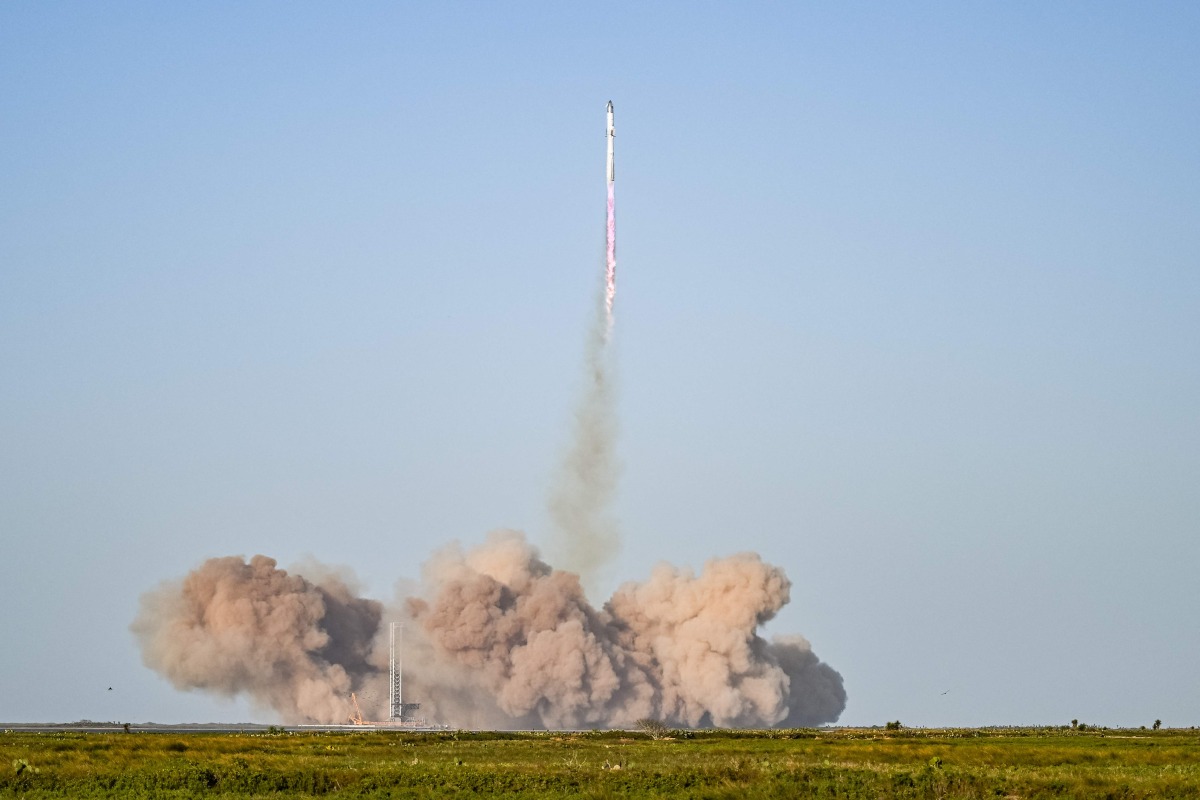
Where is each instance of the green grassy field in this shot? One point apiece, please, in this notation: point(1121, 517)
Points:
point(850, 763)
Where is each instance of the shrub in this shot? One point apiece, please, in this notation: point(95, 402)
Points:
point(653, 728)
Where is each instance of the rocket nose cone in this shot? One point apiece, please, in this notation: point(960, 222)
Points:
point(610, 105)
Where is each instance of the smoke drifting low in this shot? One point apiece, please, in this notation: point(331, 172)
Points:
point(495, 638)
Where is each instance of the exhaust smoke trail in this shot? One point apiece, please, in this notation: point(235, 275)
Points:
point(586, 537)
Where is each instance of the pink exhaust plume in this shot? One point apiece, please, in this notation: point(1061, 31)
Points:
point(610, 258)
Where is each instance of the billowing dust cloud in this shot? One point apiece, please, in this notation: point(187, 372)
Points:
point(496, 638)
point(231, 627)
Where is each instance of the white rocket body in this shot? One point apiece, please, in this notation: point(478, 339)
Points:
point(609, 135)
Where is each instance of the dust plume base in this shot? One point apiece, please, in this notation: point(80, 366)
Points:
point(495, 638)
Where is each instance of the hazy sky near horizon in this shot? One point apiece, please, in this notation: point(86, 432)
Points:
point(907, 302)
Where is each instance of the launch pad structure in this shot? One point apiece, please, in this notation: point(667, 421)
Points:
point(399, 712)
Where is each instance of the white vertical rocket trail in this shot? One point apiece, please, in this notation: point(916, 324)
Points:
point(610, 252)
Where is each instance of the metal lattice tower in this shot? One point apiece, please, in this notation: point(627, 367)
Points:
point(398, 710)
point(396, 696)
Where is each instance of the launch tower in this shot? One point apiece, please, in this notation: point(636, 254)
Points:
point(398, 710)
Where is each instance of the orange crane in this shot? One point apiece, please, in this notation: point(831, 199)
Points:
point(356, 718)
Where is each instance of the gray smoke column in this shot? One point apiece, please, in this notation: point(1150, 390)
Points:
point(585, 533)
point(496, 638)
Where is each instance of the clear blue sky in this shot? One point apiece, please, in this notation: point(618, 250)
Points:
point(909, 303)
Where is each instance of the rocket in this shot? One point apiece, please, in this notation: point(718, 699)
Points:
point(609, 136)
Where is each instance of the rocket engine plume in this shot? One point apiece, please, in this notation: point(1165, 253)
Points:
point(610, 250)
point(496, 638)
point(586, 536)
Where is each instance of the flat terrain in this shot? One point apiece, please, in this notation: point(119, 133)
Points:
point(850, 763)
